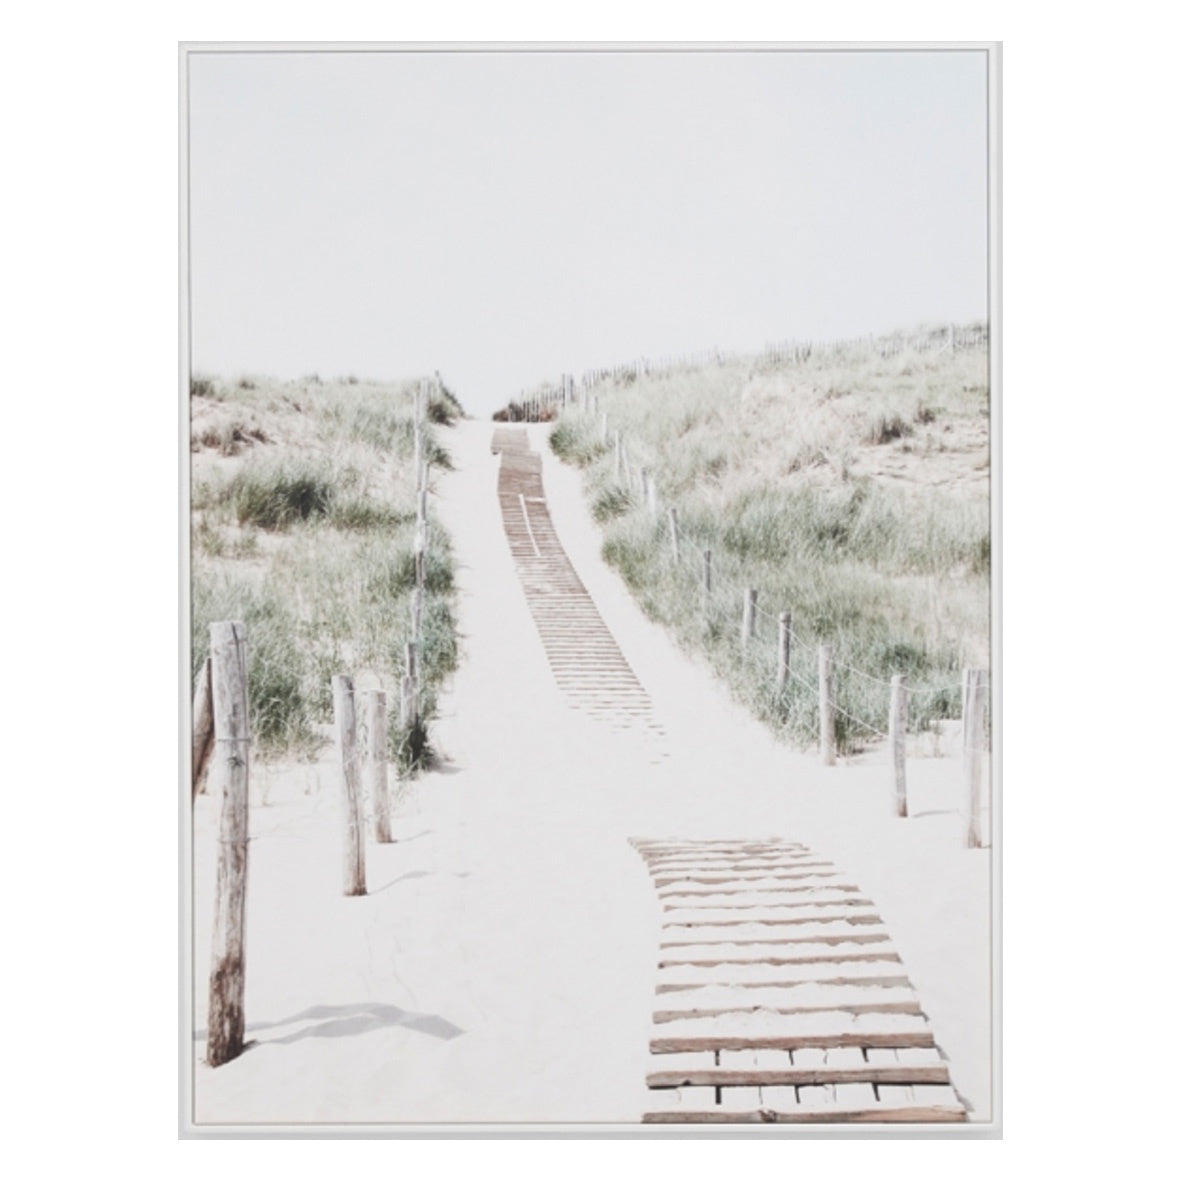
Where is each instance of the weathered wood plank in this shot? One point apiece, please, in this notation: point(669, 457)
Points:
point(716, 1076)
point(805, 910)
point(819, 922)
point(823, 1115)
point(758, 976)
point(663, 1016)
point(782, 939)
point(755, 953)
point(755, 899)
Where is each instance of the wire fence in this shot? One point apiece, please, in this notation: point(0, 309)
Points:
point(769, 655)
point(950, 337)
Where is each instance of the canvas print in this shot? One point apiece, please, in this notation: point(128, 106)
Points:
point(591, 477)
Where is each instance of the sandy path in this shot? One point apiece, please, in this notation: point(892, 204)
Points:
point(501, 967)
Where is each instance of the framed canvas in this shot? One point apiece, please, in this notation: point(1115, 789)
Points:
point(592, 613)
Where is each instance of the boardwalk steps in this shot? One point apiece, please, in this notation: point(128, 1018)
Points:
point(586, 662)
point(779, 996)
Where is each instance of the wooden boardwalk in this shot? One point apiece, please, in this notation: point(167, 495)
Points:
point(780, 997)
point(586, 662)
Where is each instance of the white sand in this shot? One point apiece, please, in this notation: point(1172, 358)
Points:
point(501, 968)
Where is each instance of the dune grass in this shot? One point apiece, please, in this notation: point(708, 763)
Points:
point(308, 538)
point(849, 490)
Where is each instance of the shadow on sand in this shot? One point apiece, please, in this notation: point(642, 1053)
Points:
point(348, 1021)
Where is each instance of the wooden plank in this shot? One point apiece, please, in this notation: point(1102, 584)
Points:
point(819, 922)
point(836, 904)
point(804, 953)
point(680, 1043)
point(724, 877)
point(663, 1016)
point(803, 997)
point(683, 888)
point(759, 975)
point(787, 938)
point(751, 900)
point(794, 1076)
point(823, 1115)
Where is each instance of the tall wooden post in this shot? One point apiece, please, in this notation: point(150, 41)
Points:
point(828, 717)
point(706, 583)
point(750, 601)
point(618, 456)
point(784, 663)
point(354, 823)
point(231, 724)
point(375, 755)
point(975, 692)
point(202, 724)
point(674, 536)
point(898, 712)
point(603, 437)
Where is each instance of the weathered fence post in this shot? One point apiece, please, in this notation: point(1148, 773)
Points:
point(202, 724)
point(898, 739)
point(674, 536)
point(644, 486)
point(975, 692)
point(707, 561)
point(828, 719)
point(410, 688)
point(603, 436)
point(231, 725)
point(750, 599)
point(354, 822)
point(618, 456)
point(784, 664)
point(374, 775)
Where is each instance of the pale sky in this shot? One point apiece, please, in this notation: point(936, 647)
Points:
point(504, 217)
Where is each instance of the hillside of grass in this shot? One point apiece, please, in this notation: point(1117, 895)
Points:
point(848, 486)
point(303, 519)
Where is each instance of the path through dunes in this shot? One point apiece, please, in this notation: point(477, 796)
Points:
point(503, 966)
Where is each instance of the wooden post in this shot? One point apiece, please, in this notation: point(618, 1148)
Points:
point(202, 725)
point(231, 725)
point(374, 775)
point(975, 691)
point(674, 537)
point(750, 601)
point(705, 576)
point(604, 428)
point(410, 687)
point(618, 455)
point(652, 498)
point(354, 821)
point(784, 664)
point(898, 739)
point(644, 485)
point(828, 718)
point(416, 610)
